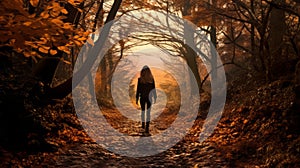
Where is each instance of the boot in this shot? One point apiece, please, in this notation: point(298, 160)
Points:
point(147, 127)
point(143, 125)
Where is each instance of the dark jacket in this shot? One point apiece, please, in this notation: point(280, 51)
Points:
point(143, 90)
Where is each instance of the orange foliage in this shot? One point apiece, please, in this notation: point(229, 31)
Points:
point(36, 35)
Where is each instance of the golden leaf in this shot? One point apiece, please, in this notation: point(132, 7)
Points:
point(75, 2)
point(34, 3)
point(53, 52)
point(64, 11)
point(54, 13)
point(64, 49)
point(61, 31)
point(43, 41)
point(86, 33)
point(49, 7)
point(34, 46)
point(61, 17)
point(32, 16)
point(33, 53)
point(67, 26)
point(45, 47)
point(67, 62)
point(27, 23)
point(69, 44)
point(27, 42)
point(67, 51)
point(82, 39)
point(45, 14)
point(78, 43)
point(43, 50)
point(57, 21)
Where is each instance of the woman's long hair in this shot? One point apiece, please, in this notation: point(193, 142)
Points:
point(146, 75)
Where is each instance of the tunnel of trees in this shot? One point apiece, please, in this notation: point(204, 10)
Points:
point(41, 39)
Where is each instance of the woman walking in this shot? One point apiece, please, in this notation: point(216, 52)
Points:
point(145, 93)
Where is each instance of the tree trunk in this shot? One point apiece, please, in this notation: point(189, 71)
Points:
point(190, 55)
point(65, 88)
point(213, 38)
point(253, 50)
point(277, 31)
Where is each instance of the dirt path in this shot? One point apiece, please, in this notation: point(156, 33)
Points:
point(92, 155)
point(186, 153)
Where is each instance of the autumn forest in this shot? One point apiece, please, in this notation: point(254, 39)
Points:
point(225, 80)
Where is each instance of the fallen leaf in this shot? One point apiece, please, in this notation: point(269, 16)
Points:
point(43, 50)
point(45, 14)
point(34, 3)
point(57, 21)
point(53, 52)
point(67, 26)
point(64, 11)
point(27, 23)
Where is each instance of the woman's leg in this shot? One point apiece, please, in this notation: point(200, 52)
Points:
point(148, 111)
point(143, 107)
point(148, 116)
